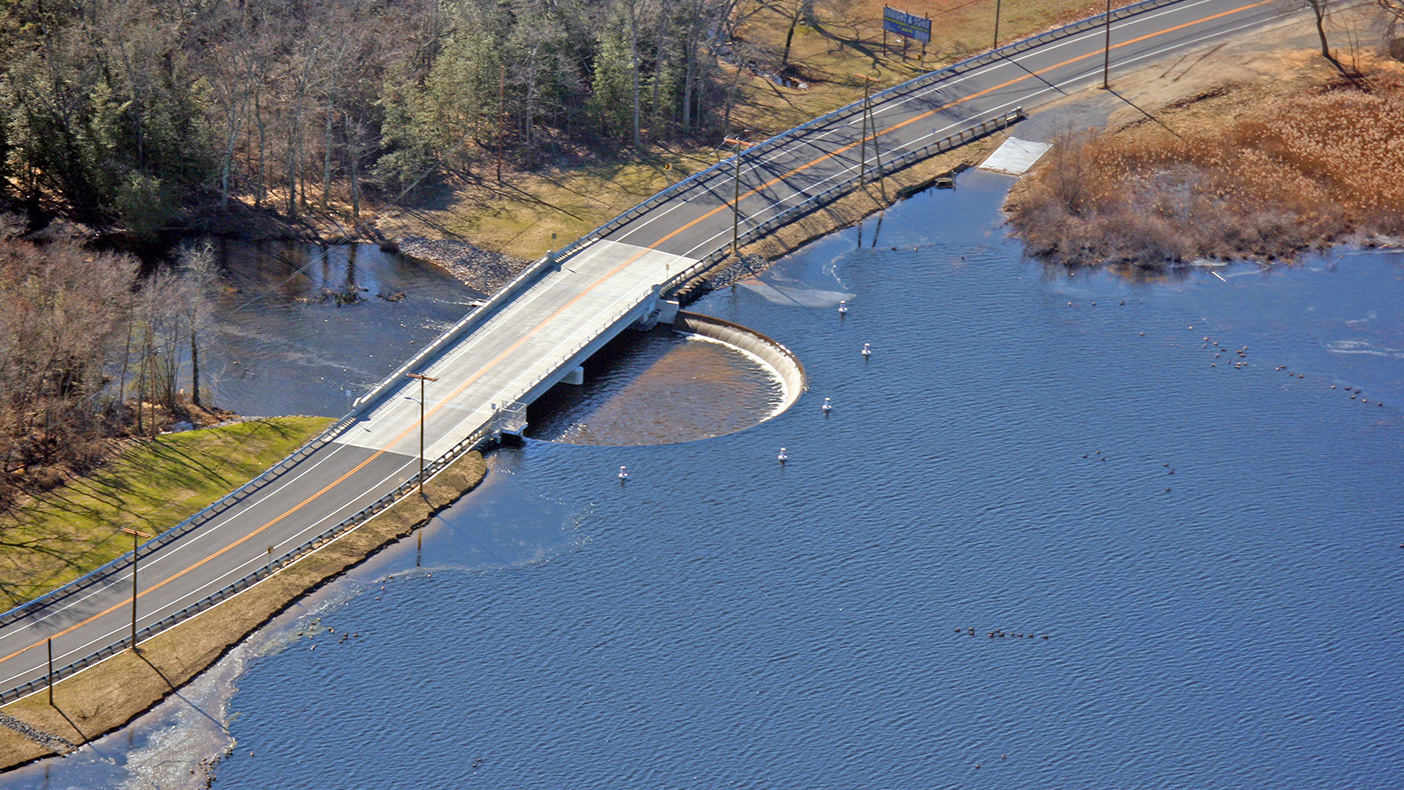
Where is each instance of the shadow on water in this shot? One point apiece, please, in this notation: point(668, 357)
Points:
point(1169, 478)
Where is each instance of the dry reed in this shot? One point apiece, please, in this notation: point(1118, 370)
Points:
point(1295, 173)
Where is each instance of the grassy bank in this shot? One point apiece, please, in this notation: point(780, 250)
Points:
point(1258, 172)
point(533, 211)
point(107, 696)
point(151, 486)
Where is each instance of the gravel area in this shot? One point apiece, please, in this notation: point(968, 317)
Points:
point(478, 268)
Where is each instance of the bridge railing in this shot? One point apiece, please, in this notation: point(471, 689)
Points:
point(521, 282)
point(479, 437)
point(727, 166)
point(183, 528)
point(789, 213)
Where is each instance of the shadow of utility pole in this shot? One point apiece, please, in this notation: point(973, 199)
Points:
point(1138, 108)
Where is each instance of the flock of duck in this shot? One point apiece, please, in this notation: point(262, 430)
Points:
point(1238, 357)
point(995, 634)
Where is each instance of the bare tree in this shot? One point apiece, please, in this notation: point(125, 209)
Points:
point(1394, 16)
point(1320, 9)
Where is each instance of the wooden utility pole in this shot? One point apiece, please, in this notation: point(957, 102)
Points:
point(135, 534)
point(869, 123)
point(998, 3)
point(422, 378)
point(51, 671)
point(1106, 53)
point(736, 198)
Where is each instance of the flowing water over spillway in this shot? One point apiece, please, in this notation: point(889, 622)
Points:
point(659, 387)
point(1208, 540)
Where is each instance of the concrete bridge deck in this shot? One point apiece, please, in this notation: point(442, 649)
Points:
point(557, 317)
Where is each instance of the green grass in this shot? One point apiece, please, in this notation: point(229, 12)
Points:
point(150, 486)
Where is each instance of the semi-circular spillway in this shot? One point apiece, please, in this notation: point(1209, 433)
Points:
point(706, 377)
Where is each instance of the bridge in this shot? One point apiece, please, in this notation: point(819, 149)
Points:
point(545, 323)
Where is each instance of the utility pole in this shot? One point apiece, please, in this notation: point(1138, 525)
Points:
point(736, 199)
point(1106, 53)
point(869, 122)
point(422, 378)
point(996, 36)
point(51, 671)
point(135, 534)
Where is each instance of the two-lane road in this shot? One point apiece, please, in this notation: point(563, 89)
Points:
point(524, 342)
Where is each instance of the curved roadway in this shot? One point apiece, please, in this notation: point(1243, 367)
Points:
point(501, 361)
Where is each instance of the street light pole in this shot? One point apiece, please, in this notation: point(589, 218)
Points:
point(422, 378)
point(1106, 53)
point(135, 533)
point(736, 198)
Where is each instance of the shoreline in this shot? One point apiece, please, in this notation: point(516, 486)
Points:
point(164, 666)
point(111, 694)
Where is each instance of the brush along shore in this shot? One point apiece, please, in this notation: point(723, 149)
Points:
point(1260, 171)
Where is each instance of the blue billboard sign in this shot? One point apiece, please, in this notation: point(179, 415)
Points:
point(917, 28)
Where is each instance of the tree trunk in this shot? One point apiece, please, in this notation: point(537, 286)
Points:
point(261, 192)
point(690, 50)
point(228, 165)
point(659, 61)
point(1319, 9)
point(194, 365)
point(126, 357)
point(292, 172)
point(634, 65)
point(790, 37)
point(326, 163)
point(353, 155)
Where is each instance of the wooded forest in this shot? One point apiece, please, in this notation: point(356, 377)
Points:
point(130, 111)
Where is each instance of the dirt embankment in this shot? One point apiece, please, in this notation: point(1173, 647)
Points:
point(107, 696)
point(1246, 170)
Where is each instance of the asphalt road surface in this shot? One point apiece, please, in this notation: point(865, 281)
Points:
point(528, 339)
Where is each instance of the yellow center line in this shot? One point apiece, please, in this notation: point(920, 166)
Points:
point(523, 339)
point(733, 203)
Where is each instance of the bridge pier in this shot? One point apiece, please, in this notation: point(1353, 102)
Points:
point(661, 311)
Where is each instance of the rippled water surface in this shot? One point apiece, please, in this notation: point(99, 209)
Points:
point(1212, 551)
point(659, 387)
point(302, 329)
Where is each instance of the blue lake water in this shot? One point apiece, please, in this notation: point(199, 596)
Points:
point(282, 342)
point(1213, 553)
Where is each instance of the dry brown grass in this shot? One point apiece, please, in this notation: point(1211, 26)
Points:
point(1279, 176)
point(107, 696)
point(848, 39)
point(534, 211)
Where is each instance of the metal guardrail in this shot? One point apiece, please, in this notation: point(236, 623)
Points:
point(185, 527)
point(488, 432)
point(813, 203)
point(470, 442)
point(727, 166)
point(479, 437)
